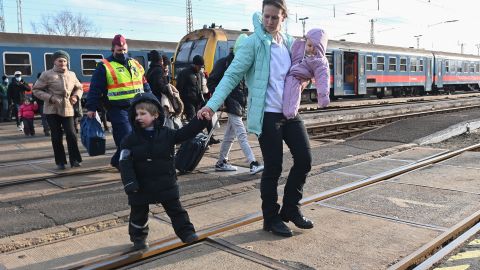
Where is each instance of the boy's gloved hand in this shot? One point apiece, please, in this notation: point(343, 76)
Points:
point(131, 188)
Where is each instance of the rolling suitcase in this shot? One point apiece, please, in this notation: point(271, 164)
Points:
point(191, 151)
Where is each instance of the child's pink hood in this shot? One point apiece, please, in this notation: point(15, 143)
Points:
point(320, 39)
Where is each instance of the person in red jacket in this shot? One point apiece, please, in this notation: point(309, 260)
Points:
point(26, 113)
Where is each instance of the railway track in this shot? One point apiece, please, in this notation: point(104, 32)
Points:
point(165, 245)
point(347, 129)
point(339, 130)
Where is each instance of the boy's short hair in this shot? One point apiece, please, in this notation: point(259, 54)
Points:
point(148, 106)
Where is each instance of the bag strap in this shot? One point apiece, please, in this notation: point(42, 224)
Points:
point(210, 134)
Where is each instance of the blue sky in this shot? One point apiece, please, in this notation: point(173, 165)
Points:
point(396, 21)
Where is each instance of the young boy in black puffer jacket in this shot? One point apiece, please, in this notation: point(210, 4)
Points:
point(147, 168)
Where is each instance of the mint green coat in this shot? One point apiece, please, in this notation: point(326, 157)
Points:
point(252, 60)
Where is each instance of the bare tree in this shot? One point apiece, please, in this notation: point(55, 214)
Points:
point(65, 23)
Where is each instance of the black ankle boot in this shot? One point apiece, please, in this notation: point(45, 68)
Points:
point(277, 227)
point(298, 219)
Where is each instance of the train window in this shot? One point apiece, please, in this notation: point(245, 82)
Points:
point(465, 67)
point(221, 51)
point(184, 52)
point(330, 61)
point(459, 66)
point(447, 66)
point(420, 65)
point(472, 67)
point(403, 64)
point(453, 67)
point(413, 64)
point(380, 63)
point(89, 63)
point(339, 65)
point(392, 64)
point(369, 62)
point(140, 59)
point(477, 67)
point(48, 58)
point(17, 62)
point(198, 48)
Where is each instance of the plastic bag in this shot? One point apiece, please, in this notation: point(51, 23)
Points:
point(92, 135)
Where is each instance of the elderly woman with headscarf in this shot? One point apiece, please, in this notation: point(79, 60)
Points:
point(60, 89)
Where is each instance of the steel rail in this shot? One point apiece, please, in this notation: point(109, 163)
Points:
point(428, 249)
point(171, 243)
point(427, 264)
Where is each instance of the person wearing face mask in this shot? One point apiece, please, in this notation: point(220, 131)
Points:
point(4, 99)
point(115, 81)
point(190, 85)
point(16, 95)
point(60, 90)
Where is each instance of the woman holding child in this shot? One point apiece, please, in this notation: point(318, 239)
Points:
point(264, 58)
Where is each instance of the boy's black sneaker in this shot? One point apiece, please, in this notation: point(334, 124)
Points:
point(139, 244)
point(61, 166)
point(190, 238)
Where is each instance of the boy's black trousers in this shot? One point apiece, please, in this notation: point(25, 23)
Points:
point(138, 226)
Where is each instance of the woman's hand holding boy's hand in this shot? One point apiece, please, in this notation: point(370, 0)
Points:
point(205, 113)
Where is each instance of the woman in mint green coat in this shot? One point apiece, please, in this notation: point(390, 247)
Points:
point(264, 60)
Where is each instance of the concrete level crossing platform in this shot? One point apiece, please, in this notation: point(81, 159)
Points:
point(369, 228)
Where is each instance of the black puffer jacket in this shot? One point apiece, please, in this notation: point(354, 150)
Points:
point(148, 163)
point(189, 84)
point(237, 100)
point(16, 91)
point(157, 81)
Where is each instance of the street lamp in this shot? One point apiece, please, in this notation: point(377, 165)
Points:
point(418, 40)
point(303, 24)
point(346, 34)
point(449, 21)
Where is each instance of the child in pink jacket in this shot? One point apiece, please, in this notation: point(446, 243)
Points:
point(26, 113)
point(308, 61)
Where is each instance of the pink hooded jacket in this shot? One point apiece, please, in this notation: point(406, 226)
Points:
point(306, 68)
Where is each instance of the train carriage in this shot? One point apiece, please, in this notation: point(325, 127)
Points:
point(32, 54)
point(456, 71)
point(357, 69)
point(366, 69)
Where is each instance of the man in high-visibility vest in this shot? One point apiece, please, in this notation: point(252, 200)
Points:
point(116, 80)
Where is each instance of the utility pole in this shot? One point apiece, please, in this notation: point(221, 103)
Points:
point(462, 46)
point(189, 17)
point(303, 24)
point(418, 40)
point(19, 16)
point(478, 48)
point(372, 31)
point(2, 17)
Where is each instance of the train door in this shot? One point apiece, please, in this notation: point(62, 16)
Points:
point(338, 73)
point(440, 70)
point(350, 73)
point(428, 69)
point(362, 86)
